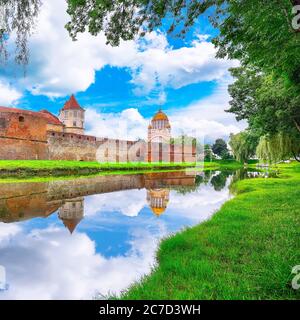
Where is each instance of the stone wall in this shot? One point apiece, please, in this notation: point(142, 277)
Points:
point(158, 152)
point(71, 146)
point(22, 136)
point(114, 150)
point(26, 135)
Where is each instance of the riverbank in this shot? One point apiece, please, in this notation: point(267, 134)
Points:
point(246, 251)
point(42, 168)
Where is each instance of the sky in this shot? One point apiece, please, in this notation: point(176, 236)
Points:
point(122, 87)
point(113, 246)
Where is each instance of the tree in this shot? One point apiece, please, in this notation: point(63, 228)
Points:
point(243, 145)
point(208, 154)
point(19, 17)
point(125, 19)
point(219, 181)
point(220, 148)
point(264, 38)
point(278, 147)
point(260, 33)
point(265, 102)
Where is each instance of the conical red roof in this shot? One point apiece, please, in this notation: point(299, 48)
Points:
point(71, 104)
point(71, 224)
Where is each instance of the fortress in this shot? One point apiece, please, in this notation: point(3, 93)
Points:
point(29, 135)
point(23, 201)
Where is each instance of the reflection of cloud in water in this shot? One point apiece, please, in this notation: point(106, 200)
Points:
point(50, 264)
point(198, 205)
point(128, 202)
point(43, 261)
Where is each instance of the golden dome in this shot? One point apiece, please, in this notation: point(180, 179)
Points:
point(158, 211)
point(160, 116)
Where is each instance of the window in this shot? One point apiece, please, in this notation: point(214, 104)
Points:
point(74, 123)
point(75, 114)
point(2, 123)
point(21, 119)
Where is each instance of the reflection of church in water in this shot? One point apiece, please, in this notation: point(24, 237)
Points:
point(24, 201)
point(72, 211)
point(158, 200)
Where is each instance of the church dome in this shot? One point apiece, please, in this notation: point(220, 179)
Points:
point(160, 116)
point(160, 121)
point(158, 211)
point(158, 200)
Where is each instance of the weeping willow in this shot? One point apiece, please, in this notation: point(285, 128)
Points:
point(278, 147)
point(17, 17)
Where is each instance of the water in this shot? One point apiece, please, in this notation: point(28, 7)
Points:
point(93, 237)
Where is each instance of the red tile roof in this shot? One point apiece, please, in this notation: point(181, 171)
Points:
point(71, 104)
point(15, 110)
point(51, 118)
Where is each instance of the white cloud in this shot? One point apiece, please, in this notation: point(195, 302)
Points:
point(8, 94)
point(128, 124)
point(205, 119)
point(60, 66)
point(43, 264)
point(49, 263)
point(127, 202)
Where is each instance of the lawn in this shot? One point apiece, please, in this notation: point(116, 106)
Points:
point(24, 168)
point(246, 251)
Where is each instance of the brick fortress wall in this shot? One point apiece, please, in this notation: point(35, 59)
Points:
point(22, 136)
point(26, 135)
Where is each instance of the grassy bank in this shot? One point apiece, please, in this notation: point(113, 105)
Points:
point(246, 251)
point(24, 168)
point(41, 168)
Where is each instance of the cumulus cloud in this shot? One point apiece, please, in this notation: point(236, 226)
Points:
point(127, 202)
point(50, 264)
point(60, 66)
point(8, 95)
point(46, 262)
point(128, 124)
point(204, 119)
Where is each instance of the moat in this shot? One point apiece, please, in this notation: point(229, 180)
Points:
point(92, 237)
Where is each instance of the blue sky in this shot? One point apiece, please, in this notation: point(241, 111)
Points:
point(124, 86)
point(112, 247)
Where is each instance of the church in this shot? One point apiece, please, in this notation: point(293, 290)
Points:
point(40, 135)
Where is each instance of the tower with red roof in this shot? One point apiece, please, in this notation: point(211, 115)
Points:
point(72, 116)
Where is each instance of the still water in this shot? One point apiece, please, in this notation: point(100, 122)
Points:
point(94, 236)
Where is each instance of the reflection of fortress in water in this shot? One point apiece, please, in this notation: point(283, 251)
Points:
point(24, 201)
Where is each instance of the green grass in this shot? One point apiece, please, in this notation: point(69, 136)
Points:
point(27, 168)
point(246, 251)
point(61, 164)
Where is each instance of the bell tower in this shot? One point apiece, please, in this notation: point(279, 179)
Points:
point(72, 116)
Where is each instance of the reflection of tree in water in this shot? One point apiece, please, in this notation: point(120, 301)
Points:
point(188, 189)
point(218, 181)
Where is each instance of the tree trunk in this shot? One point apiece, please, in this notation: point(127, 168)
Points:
point(295, 156)
point(297, 125)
